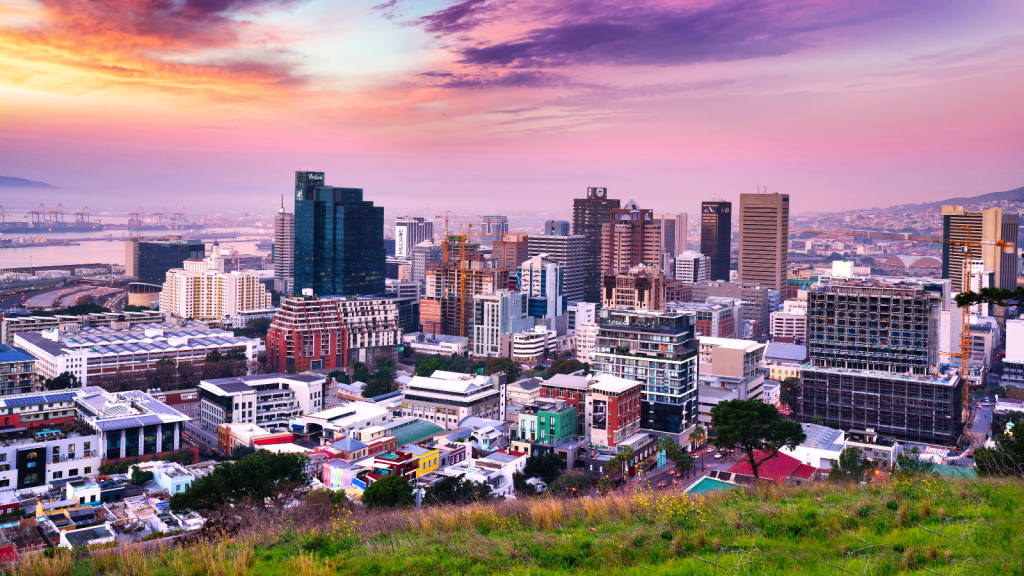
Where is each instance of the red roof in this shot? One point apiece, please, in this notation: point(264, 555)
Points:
point(777, 469)
point(511, 453)
point(9, 554)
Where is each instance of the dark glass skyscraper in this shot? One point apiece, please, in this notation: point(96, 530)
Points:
point(154, 258)
point(588, 215)
point(339, 239)
point(716, 237)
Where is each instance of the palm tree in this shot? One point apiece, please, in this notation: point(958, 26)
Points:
point(699, 435)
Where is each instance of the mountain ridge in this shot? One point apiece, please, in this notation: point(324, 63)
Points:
point(14, 182)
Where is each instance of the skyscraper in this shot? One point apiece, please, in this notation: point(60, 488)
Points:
point(588, 215)
point(716, 237)
point(409, 232)
point(764, 240)
point(339, 239)
point(284, 251)
point(567, 251)
point(691, 267)
point(511, 251)
point(629, 238)
point(556, 228)
point(494, 227)
point(673, 232)
point(990, 225)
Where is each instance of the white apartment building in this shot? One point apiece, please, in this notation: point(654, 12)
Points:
point(284, 251)
point(691, 267)
point(790, 325)
point(498, 314)
point(29, 459)
point(89, 353)
point(266, 400)
point(585, 340)
point(212, 295)
point(446, 398)
point(728, 369)
point(581, 313)
point(537, 343)
point(425, 343)
point(1013, 364)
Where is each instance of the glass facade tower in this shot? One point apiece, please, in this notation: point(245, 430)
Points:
point(339, 239)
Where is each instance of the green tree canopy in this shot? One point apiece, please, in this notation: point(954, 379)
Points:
point(676, 454)
point(258, 476)
point(751, 426)
point(389, 492)
point(513, 370)
point(999, 296)
point(548, 467)
point(566, 366)
point(241, 451)
point(574, 483)
point(910, 463)
point(852, 466)
point(456, 490)
point(1006, 458)
point(63, 381)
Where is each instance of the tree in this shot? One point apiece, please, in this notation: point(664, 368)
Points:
point(754, 427)
point(214, 356)
point(511, 368)
point(389, 492)
point(910, 463)
point(456, 490)
point(134, 308)
point(241, 451)
point(258, 327)
point(998, 296)
point(787, 392)
point(548, 467)
point(622, 461)
point(699, 435)
point(575, 483)
point(62, 382)
point(139, 477)
point(565, 367)
point(852, 466)
point(339, 376)
point(676, 454)
point(258, 476)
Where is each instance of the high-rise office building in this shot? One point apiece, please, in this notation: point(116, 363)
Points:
point(669, 400)
point(542, 281)
point(284, 251)
point(691, 267)
point(149, 260)
point(764, 240)
point(716, 237)
point(639, 288)
point(511, 251)
point(567, 251)
point(502, 313)
point(339, 239)
point(409, 232)
point(423, 255)
point(673, 232)
point(493, 228)
point(756, 305)
point(630, 238)
point(556, 228)
point(990, 225)
point(588, 216)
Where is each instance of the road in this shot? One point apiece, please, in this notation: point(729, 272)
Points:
point(704, 463)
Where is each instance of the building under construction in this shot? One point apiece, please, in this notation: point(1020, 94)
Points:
point(879, 352)
point(447, 307)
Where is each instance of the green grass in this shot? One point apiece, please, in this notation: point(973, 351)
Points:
point(923, 526)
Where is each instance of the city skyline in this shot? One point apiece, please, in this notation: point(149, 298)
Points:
point(494, 105)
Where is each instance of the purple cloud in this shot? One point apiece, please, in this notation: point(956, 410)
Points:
point(514, 79)
point(456, 18)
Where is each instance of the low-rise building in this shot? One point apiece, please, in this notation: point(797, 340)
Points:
point(782, 361)
point(612, 409)
point(446, 398)
point(12, 325)
point(29, 459)
point(131, 424)
point(544, 422)
point(266, 400)
point(171, 476)
point(184, 401)
point(231, 436)
point(345, 420)
point(518, 394)
point(431, 344)
point(17, 371)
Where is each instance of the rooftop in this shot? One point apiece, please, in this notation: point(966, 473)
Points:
point(748, 345)
point(612, 384)
point(792, 352)
point(450, 382)
point(567, 381)
point(13, 354)
point(821, 437)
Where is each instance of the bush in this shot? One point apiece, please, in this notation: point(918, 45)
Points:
point(573, 484)
point(389, 492)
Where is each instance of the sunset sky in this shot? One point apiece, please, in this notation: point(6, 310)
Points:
point(492, 105)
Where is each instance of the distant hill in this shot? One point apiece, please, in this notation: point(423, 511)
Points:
point(1015, 194)
point(12, 182)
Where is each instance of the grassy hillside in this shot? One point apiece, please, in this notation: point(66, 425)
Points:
point(917, 526)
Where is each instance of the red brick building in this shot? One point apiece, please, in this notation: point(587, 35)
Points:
point(307, 333)
point(613, 409)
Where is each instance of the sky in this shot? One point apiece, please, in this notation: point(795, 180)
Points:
point(480, 106)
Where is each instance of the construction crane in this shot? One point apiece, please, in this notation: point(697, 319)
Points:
point(82, 215)
point(462, 271)
point(966, 246)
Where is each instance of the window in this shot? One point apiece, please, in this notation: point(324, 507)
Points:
point(73, 472)
point(57, 475)
point(5, 483)
point(88, 469)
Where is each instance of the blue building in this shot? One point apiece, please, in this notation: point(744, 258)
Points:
point(339, 239)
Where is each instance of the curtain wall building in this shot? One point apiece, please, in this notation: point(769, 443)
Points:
point(588, 216)
point(716, 237)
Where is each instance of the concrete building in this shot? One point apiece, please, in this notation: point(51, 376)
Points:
point(499, 314)
point(17, 371)
point(613, 409)
point(424, 255)
point(1013, 362)
point(372, 325)
point(962, 225)
point(344, 421)
point(545, 422)
point(492, 228)
point(638, 288)
point(212, 295)
point(511, 251)
point(586, 342)
point(712, 319)
point(783, 361)
point(447, 307)
point(673, 233)
point(307, 333)
point(409, 232)
point(446, 398)
point(729, 369)
point(92, 353)
point(716, 237)
point(541, 280)
point(789, 326)
point(131, 424)
point(658, 349)
point(756, 306)
point(14, 324)
point(171, 476)
point(588, 216)
point(539, 343)
point(266, 400)
point(284, 251)
point(764, 240)
point(518, 394)
point(568, 252)
point(630, 238)
point(31, 459)
point(430, 344)
point(582, 313)
point(691, 267)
